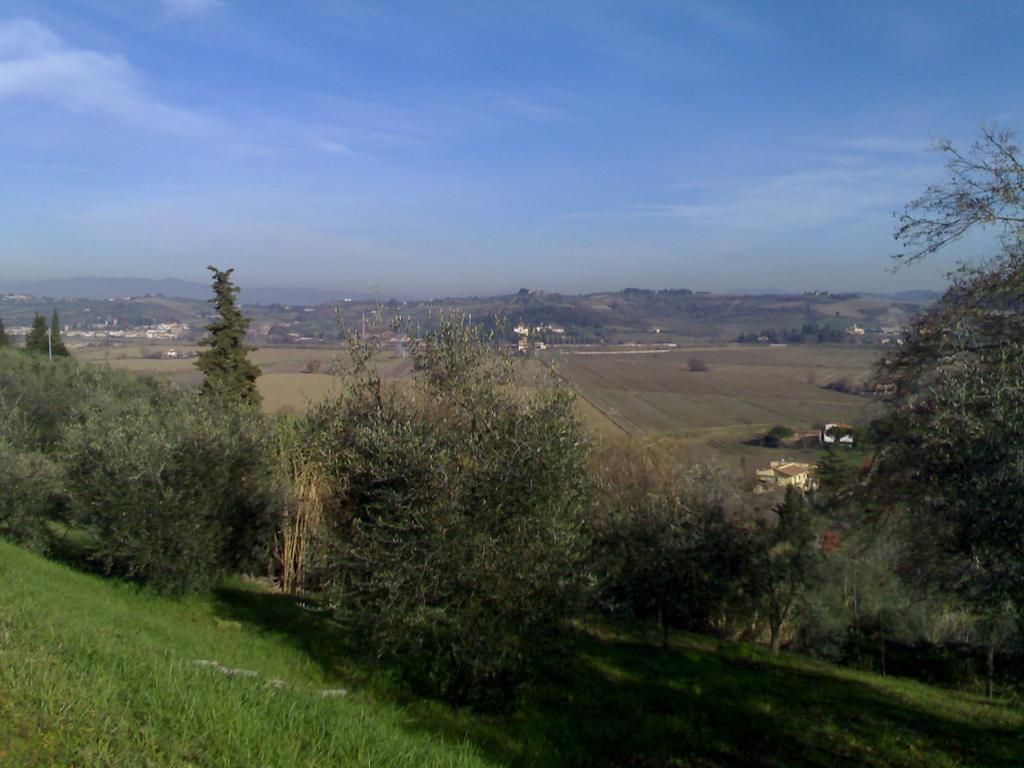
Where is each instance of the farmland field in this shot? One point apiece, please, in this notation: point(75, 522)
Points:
point(745, 389)
point(286, 382)
point(630, 391)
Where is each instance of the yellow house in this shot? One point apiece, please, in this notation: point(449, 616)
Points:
point(783, 473)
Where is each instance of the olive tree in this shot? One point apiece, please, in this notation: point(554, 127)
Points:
point(31, 496)
point(171, 491)
point(161, 486)
point(783, 563)
point(452, 543)
point(663, 550)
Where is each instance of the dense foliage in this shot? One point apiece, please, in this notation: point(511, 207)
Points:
point(455, 524)
point(164, 488)
point(175, 494)
point(808, 333)
point(454, 542)
point(663, 549)
point(953, 460)
point(57, 346)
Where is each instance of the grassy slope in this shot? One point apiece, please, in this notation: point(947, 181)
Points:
point(94, 673)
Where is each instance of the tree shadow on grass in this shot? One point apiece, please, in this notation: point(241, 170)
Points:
point(699, 704)
point(631, 704)
point(298, 620)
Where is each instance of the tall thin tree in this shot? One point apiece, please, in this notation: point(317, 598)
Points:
point(56, 346)
point(228, 374)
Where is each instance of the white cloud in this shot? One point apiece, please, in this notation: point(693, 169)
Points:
point(22, 38)
point(36, 64)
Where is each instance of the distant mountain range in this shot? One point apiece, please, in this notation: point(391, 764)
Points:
point(99, 288)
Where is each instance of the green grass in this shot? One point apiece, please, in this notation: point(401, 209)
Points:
point(98, 673)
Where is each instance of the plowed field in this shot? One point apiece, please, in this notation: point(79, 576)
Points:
point(745, 389)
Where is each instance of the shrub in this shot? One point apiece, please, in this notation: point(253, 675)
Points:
point(775, 436)
point(453, 540)
point(845, 384)
point(663, 550)
point(41, 400)
point(30, 496)
point(174, 493)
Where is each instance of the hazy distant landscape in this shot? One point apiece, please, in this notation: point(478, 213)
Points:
point(628, 353)
point(630, 315)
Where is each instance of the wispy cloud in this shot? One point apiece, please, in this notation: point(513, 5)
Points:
point(332, 148)
point(691, 39)
point(188, 8)
point(880, 145)
point(803, 199)
point(371, 126)
point(857, 186)
point(532, 110)
point(36, 64)
point(728, 20)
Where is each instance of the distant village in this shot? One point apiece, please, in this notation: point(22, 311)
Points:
point(538, 320)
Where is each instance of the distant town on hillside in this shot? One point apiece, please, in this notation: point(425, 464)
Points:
point(629, 316)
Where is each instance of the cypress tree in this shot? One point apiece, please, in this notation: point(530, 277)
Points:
point(4, 341)
point(228, 374)
point(38, 338)
point(56, 345)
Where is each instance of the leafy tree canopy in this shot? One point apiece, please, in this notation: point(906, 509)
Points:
point(953, 452)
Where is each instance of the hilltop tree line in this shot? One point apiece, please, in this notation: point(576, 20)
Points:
point(454, 527)
point(808, 333)
point(42, 338)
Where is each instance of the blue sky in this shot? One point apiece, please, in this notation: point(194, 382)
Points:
point(457, 148)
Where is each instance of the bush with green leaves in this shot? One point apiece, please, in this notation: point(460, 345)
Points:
point(176, 494)
point(454, 542)
point(167, 489)
point(31, 496)
point(663, 549)
point(41, 399)
point(784, 563)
